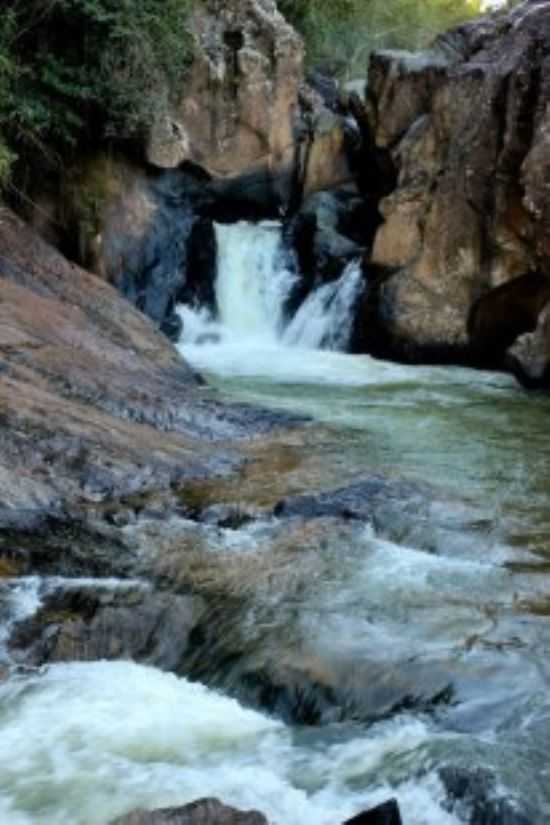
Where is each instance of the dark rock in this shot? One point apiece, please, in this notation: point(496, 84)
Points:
point(251, 196)
point(172, 327)
point(202, 812)
point(80, 622)
point(500, 316)
point(321, 234)
point(199, 288)
point(147, 245)
point(385, 814)
point(529, 357)
point(357, 501)
point(474, 796)
point(326, 85)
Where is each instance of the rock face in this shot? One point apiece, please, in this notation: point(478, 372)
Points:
point(202, 812)
point(95, 405)
point(239, 101)
point(468, 124)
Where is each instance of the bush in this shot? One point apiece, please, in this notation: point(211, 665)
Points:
point(340, 34)
point(77, 71)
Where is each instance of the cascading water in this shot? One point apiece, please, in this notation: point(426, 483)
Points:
point(442, 624)
point(254, 282)
point(325, 319)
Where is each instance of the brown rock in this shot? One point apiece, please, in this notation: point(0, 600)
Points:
point(468, 126)
point(202, 812)
point(240, 97)
point(94, 404)
point(327, 162)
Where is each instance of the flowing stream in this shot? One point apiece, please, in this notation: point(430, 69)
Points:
point(453, 613)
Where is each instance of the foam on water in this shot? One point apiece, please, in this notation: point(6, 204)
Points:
point(19, 599)
point(83, 743)
point(324, 320)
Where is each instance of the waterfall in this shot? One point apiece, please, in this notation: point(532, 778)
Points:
point(325, 319)
point(254, 281)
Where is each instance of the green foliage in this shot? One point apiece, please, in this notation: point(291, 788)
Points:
point(77, 71)
point(342, 33)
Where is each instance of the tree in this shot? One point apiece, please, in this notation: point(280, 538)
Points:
point(342, 33)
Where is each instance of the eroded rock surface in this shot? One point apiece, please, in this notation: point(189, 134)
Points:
point(467, 124)
point(240, 98)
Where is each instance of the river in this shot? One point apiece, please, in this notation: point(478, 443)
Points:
point(452, 613)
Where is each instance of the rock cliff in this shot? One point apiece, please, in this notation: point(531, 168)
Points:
point(468, 125)
point(95, 405)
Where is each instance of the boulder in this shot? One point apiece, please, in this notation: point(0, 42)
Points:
point(95, 621)
point(467, 124)
point(504, 314)
point(385, 814)
point(202, 812)
point(147, 232)
point(324, 236)
point(529, 357)
point(474, 795)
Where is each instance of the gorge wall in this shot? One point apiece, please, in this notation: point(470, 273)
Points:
point(439, 182)
point(468, 125)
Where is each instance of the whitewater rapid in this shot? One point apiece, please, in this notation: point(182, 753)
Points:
point(84, 743)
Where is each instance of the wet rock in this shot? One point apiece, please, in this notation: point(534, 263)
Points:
point(324, 237)
point(249, 196)
point(96, 406)
point(202, 812)
point(529, 357)
point(475, 797)
point(95, 621)
point(385, 814)
point(470, 210)
point(506, 313)
point(326, 165)
point(357, 501)
point(151, 243)
point(172, 327)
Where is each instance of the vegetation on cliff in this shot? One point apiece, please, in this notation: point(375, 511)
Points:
point(77, 72)
point(342, 33)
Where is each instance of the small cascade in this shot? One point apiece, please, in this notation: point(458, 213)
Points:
point(325, 319)
point(254, 282)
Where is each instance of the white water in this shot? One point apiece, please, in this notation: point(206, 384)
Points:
point(250, 337)
point(325, 317)
point(84, 743)
point(253, 279)
point(19, 599)
point(254, 282)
